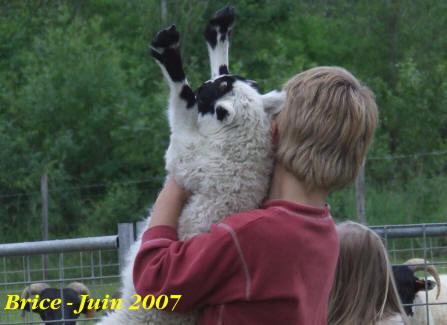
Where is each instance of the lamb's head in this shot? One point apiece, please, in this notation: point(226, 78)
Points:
point(229, 101)
point(226, 110)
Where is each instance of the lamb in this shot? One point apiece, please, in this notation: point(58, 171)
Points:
point(412, 292)
point(220, 148)
point(71, 302)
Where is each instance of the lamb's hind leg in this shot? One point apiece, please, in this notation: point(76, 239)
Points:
point(182, 102)
point(217, 35)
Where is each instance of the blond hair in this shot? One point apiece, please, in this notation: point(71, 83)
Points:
point(326, 127)
point(363, 291)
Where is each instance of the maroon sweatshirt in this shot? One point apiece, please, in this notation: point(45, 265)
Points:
point(273, 265)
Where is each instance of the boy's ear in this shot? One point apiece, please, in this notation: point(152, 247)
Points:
point(274, 102)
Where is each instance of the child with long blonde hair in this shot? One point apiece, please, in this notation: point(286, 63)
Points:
point(363, 291)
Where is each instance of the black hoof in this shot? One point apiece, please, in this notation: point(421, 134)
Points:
point(165, 49)
point(222, 22)
point(166, 38)
point(224, 19)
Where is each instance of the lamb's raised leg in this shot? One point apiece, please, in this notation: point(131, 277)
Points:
point(217, 35)
point(182, 102)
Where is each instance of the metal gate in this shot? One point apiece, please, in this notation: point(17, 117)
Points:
point(96, 262)
point(425, 241)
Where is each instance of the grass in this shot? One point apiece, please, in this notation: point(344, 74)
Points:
point(420, 200)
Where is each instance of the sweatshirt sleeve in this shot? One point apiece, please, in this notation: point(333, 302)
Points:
point(204, 270)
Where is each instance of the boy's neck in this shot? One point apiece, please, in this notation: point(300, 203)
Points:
point(285, 186)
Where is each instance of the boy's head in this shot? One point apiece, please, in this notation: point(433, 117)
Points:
point(326, 127)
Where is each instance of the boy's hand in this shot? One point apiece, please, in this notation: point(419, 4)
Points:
point(169, 204)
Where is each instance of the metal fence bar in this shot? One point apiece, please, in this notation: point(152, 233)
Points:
point(419, 240)
point(58, 280)
point(141, 227)
point(412, 247)
point(100, 266)
point(59, 246)
point(126, 239)
point(61, 282)
point(424, 234)
point(6, 287)
point(406, 231)
point(23, 266)
point(66, 267)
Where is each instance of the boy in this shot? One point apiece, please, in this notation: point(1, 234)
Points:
point(274, 265)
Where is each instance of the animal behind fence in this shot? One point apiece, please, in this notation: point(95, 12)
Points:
point(69, 309)
point(412, 292)
point(220, 147)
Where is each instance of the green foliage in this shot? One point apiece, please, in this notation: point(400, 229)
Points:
point(82, 101)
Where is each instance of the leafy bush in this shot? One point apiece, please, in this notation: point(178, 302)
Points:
point(82, 101)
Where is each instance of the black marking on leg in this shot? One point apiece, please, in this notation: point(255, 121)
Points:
point(166, 38)
point(211, 36)
point(188, 95)
point(221, 113)
point(165, 50)
point(222, 21)
point(223, 69)
point(157, 56)
point(173, 64)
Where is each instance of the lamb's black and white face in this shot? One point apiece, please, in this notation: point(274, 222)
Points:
point(222, 99)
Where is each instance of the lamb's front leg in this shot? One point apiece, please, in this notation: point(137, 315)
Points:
point(182, 102)
point(217, 35)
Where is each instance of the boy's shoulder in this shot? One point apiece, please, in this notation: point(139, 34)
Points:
point(280, 215)
point(284, 230)
point(242, 219)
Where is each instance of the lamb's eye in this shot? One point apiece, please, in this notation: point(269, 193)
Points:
point(221, 113)
point(223, 86)
point(253, 84)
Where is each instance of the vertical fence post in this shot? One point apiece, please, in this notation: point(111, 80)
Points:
point(44, 192)
point(164, 11)
point(141, 227)
point(125, 240)
point(360, 196)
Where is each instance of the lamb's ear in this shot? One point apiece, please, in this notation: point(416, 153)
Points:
point(274, 102)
